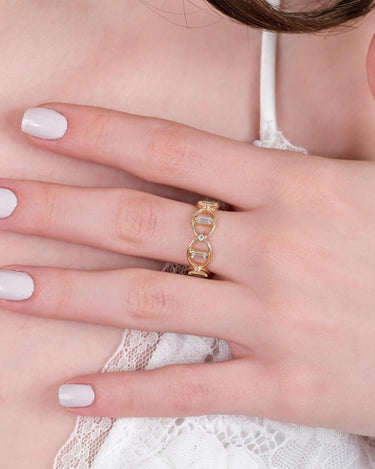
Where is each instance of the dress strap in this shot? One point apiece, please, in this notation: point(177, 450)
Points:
point(270, 136)
point(268, 79)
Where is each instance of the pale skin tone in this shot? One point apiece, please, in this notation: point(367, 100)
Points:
point(293, 209)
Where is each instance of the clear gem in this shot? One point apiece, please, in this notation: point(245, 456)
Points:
point(200, 255)
point(201, 237)
point(204, 220)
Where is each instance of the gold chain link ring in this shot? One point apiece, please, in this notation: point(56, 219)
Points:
point(205, 215)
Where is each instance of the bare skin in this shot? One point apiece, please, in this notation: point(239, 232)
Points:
point(123, 55)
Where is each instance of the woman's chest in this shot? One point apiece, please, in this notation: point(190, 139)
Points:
point(124, 56)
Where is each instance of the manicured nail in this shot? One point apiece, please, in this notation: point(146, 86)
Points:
point(44, 123)
point(8, 202)
point(15, 285)
point(76, 395)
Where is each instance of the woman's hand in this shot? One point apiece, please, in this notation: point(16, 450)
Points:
point(293, 262)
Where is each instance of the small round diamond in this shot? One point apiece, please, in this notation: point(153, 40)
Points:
point(201, 237)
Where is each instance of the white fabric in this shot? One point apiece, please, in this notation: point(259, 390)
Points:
point(267, 84)
point(204, 442)
point(270, 136)
point(215, 441)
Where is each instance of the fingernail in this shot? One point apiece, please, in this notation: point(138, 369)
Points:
point(44, 123)
point(8, 202)
point(76, 395)
point(15, 285)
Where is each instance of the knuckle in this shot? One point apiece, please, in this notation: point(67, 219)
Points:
point(275, 312)
point(135, 220)
point(63, 298)
point(314, 182)
point(253, 242)
point(50, 205)
point(100, 135)
point(185, 394)
point(264, 247)
point(171, 151)
point(261, 248)
point(146, 300)
point(271, 247)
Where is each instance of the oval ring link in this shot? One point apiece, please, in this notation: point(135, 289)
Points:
point(205, 215)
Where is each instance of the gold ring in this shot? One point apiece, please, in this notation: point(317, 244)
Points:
point(205, 215)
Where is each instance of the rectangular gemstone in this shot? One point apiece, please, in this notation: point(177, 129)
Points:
point(199, 255)
point(204, 220)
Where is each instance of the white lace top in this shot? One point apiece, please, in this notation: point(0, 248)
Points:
point(212, 441)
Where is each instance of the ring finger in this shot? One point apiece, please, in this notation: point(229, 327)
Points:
point(122, 220)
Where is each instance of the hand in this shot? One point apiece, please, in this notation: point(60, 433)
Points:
point(293, 261)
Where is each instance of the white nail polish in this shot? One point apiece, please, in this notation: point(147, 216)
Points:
point(76, 395)
point(44, 123)
point(15, 285)
point(8, 202)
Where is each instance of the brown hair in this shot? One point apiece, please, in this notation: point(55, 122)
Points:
point(260, 14)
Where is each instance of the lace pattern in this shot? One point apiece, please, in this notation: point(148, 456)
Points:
point(271, 138)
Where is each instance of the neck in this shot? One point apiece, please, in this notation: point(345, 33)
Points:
point(324, 100)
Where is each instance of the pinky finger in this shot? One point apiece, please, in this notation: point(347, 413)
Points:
point(171, 391)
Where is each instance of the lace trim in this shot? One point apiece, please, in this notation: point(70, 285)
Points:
point(273, 138)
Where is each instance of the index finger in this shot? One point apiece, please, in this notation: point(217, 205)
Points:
point(158, 150)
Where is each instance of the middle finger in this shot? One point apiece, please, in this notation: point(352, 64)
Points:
point(122, 220)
